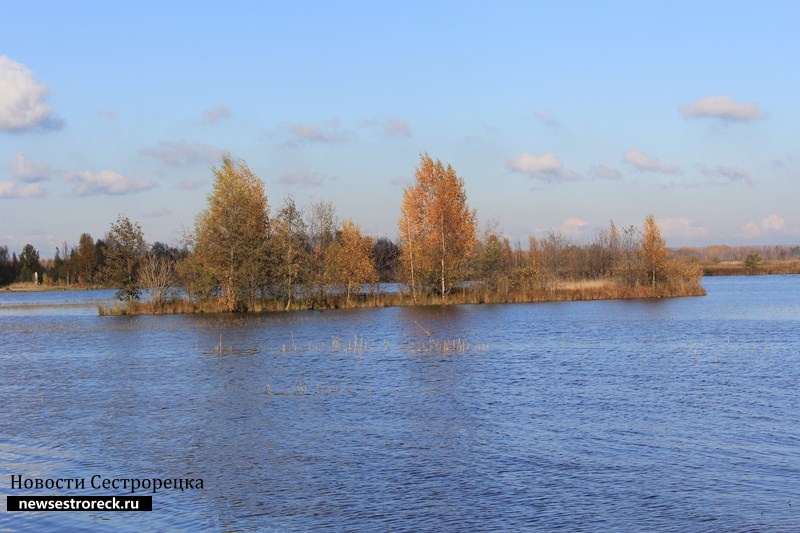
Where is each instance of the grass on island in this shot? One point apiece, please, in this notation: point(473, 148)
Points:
point(561, 291)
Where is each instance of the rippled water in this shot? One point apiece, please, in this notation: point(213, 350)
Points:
point(667, 415)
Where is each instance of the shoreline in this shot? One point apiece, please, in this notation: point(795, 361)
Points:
point(570, 292)
point(33, 287)
point(738, 268)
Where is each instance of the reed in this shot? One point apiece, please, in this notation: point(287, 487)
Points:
point(600, 289)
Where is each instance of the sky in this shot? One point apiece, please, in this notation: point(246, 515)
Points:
point(559, 116)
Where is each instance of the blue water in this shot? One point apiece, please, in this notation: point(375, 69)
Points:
point(669, 415)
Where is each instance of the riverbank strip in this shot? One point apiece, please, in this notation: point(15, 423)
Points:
point(562, 292)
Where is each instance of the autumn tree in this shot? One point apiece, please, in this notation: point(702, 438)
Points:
point(231, 234)
point(124, 252)
point(653, 251)
point(321, 228)
point(288, 250)
point(627, 267)
point(495, 261)
point(604, 251)
point(193, 270)
point(437, 229)
point(351, 264)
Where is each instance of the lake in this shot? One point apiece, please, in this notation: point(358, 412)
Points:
point(669, 415)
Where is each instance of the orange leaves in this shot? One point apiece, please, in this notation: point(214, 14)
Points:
point(231, 235)
point(437, 228)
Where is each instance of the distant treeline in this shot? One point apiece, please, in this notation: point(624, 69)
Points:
point(242, 256)
point(719, 260)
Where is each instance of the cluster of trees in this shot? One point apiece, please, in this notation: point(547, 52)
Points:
point(629, 261)
point(22, 268)
point(92, 262)
point(240, 254)
point(69, 265)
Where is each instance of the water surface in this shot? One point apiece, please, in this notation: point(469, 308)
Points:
point(669, 415)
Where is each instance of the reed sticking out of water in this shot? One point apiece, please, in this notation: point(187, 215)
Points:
point(301, 388)
point(455, 346)
point(356, 345)
point(221, 349)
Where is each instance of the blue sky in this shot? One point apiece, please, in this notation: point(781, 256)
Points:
point(558, 115)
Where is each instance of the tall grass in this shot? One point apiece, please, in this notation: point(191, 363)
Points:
point(602, 289)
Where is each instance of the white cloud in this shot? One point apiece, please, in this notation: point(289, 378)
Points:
point(23, 99)
point(546, 167)
point(721, 107)
point(773, 223)
point(751, 229)
point(647, 163)
point(12, 189)
point(24, 169)
point(573, 226)
point(681, 228)
point(606, 173)
point(770, 224)
point(302, 178)
point(729, 174)
point(106, 182)
point(216, 113)
point(303, 133)
point(176, 153)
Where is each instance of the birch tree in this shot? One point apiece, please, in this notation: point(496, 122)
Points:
point(437, 229)
point(231, 234)
point(289, 250)
point(351, 264)
point(654, 251)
